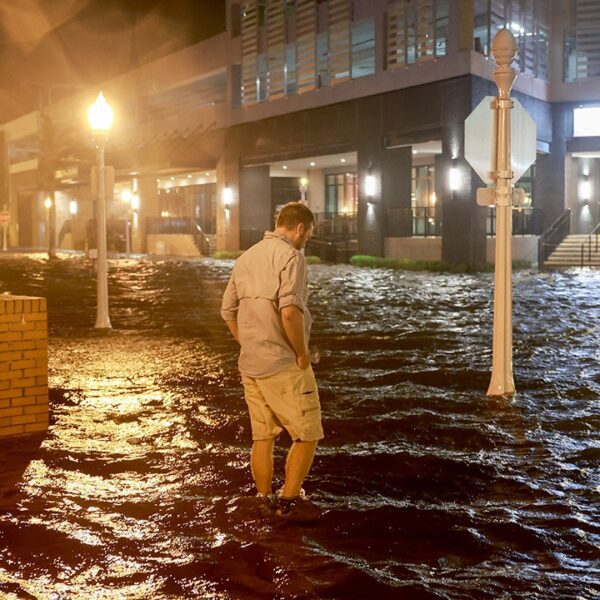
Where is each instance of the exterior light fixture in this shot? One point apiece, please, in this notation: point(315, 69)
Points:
point(370, 185)
point(227, 197)
point(454, 179)
point(48, 202)
point(135, 202)
point(284, 167)
point(303, 188)
point(73, 207)
point(586, 190)
point(126, 196)
point(100, 115)
point(312, 164)
point(342, 160)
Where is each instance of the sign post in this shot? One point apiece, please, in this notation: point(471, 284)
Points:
point(496, 164)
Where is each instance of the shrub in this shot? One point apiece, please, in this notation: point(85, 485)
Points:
point(227, 254)
point(435, 266)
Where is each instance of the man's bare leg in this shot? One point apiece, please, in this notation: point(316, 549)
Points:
point(261, 462)
point(297, 466)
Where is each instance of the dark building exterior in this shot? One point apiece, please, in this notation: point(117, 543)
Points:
point(355, 106)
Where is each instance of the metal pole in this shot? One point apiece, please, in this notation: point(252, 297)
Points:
point(127, 234)
point(4, 237)
point(502, 383)
point(102, 318)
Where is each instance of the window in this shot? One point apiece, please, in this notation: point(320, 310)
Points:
point(341, 194)
point(528, 21)
point(586, 121)
point(423, 201)
point(416, 31)
point(363, 48)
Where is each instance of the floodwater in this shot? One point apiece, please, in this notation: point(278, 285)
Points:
point(428, 488)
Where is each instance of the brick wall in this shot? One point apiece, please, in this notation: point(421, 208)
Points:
point(23, 365)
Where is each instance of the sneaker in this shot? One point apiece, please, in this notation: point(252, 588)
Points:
point(297, 510)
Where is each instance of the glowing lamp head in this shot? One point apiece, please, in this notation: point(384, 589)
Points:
point(100, 115)
point(48, 202)
point(73, 207)
point(135, 202)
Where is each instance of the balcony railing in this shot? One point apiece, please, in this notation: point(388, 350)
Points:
point(336, 227)
point(418, 221)
point(525, 221)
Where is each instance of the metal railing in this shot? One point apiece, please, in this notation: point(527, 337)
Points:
point(336, 227)
point(525, 221)
point(416, 221)
point(553, 236)
point(588, 242)
point(179, 225)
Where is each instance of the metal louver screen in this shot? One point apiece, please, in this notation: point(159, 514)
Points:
point(424, 31)
point(588, 39)
point(396, 34)
point(411, 34)
point(276, 48)
point(339, 16)
point(249, 50)
point(306, 52)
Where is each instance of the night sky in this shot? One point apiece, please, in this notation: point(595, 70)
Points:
point(52, 48)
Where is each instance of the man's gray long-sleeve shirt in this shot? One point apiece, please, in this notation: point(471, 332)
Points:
point(266, 278)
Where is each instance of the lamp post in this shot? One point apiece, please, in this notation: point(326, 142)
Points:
point(100, 116)
point(48, 204)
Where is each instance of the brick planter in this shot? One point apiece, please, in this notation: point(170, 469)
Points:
point(23, 365)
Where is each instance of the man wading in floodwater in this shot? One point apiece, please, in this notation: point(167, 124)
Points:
point(264, 306)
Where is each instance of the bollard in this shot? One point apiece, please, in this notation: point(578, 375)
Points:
point(23, 365)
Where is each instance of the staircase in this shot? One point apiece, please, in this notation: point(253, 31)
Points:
point(569, 252)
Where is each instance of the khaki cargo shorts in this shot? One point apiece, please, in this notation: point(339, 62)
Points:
point(289, 399)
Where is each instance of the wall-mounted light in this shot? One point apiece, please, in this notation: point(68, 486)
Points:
point(585, 190)
point(227, 197)
point(454, 179)
point(73, 207)
point(48, 202)
point(370, 186)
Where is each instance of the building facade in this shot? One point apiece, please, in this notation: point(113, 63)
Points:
point(355, 106)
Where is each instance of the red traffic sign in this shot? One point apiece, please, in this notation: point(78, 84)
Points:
point(4, 218)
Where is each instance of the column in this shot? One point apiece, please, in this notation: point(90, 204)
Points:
point(149, 208)
point(228, 202)
point(255, 204)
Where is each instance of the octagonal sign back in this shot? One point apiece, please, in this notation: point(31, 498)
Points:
point(480, 139)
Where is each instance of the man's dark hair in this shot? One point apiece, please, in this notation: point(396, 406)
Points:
point(293, 213)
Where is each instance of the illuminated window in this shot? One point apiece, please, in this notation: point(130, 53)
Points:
point(586, 121)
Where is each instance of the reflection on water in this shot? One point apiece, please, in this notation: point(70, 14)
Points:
point(430, 489)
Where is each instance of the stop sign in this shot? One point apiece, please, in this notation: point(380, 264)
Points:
point(480, 139)
point(4, 218)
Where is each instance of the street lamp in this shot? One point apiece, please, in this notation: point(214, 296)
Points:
point(100, 116)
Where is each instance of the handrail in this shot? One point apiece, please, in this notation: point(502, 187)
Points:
point(588, 241)
point(553, 236)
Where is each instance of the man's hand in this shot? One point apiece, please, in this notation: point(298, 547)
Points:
point(293, 324)
point(303, 361)
point(234, 330)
